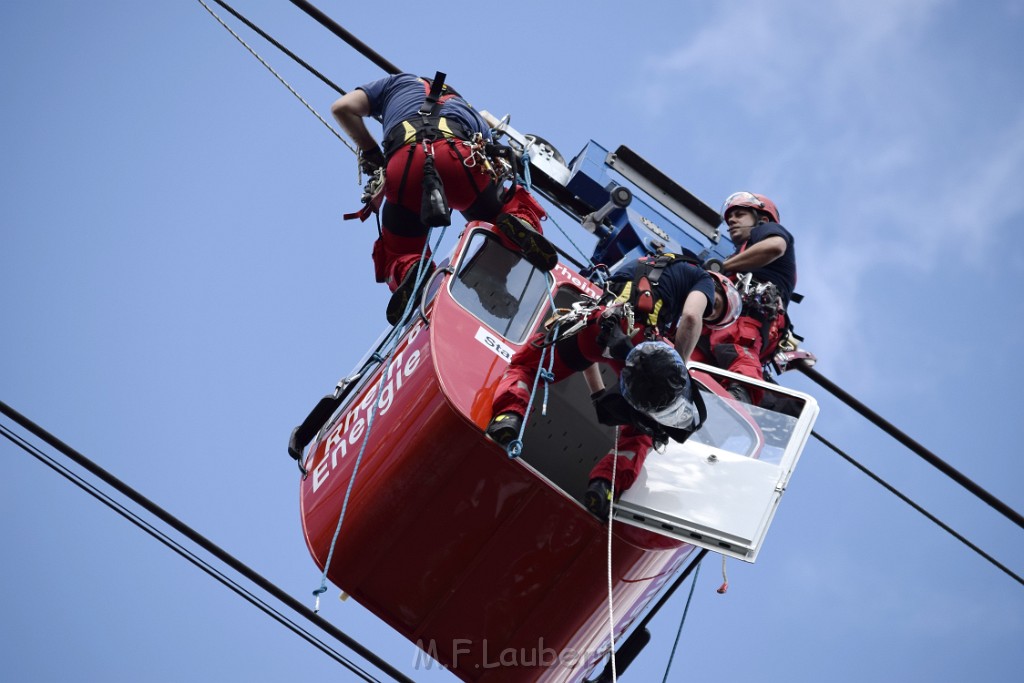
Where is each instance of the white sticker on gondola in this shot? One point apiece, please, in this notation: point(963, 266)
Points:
point(494, 343)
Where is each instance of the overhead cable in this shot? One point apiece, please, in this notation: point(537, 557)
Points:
point(279, 77)
point(917, 507)
point(181, 550)
point(201, 541)
point(335, 28)
point(263, 34)
point(917, 448)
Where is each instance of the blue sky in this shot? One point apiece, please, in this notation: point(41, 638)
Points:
point(178, 289)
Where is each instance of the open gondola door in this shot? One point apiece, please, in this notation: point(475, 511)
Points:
point(720, 489)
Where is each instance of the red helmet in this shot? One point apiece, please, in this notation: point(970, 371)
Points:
point(731, 297)
point(758, 202)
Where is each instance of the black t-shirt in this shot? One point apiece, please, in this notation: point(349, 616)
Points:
point(781, 271)
point(676, 282)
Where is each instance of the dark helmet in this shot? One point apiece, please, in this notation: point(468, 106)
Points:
point(655, 381)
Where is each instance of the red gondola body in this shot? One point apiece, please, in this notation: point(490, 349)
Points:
point(486, 563)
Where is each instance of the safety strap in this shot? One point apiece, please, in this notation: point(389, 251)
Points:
point(433, 99)
point(426, 124)
point(641, 292)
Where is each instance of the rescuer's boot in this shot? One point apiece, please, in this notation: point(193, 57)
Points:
point(505, 427)
point(598, 498)
point(534, 246)
point(410, 288)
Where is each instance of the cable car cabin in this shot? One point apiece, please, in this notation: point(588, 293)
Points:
point(489, 564)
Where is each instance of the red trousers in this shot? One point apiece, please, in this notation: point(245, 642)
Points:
point(467, 187)
point(513, 395)
point(741, 348)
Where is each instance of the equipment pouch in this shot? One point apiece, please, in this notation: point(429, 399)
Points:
point(434, 211)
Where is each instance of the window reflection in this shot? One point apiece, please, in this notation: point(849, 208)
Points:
point(498, 287)
point(761, 432)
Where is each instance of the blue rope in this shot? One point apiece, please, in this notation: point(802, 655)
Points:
point(525, 163)
point(576, 246)
point(515, 446)
point(372, 412)
point(671, 656)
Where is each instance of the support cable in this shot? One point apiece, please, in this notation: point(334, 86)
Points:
point(201, 541)
point(917, 448)
point(181, 550)
point(917, 507)
point(339, 31)
point(263, 34)
point(279, 78)
point(679, 631)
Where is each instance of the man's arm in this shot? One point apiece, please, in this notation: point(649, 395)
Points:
point(690, 323)
point(756, 256)
point(349, 111)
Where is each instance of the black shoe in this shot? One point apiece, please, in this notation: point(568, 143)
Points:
point(407, 290)
point(505, 427)
point(534, 247)
point(598, 498)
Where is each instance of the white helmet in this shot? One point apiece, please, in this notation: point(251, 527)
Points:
point(733, 303)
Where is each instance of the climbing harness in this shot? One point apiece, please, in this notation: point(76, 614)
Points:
point(566, 322)
point(759, 298)
point(641, 292)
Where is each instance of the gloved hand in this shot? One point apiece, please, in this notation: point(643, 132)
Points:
point(613, 338)
point(370, 160)
point(611, 407)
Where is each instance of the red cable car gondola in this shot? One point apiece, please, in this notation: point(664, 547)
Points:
point(491, 565)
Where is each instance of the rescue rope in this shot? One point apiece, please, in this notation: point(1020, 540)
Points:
point(279, 77)
point(682, 621)
point(515, 446)
point(397, 333)
point(575, 246)
point(611, 594)
point(270, 39)
point(525, 165)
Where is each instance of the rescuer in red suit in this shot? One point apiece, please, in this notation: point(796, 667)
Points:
point(688, 297)
point(433, 140)
point(765, 250)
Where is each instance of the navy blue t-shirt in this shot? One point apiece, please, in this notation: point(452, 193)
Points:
point(781, 271)
point(396, 98)
point(675, 284)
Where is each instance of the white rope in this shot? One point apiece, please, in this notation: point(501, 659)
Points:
point(278, 76)
point(725, 579)
point(611, 509)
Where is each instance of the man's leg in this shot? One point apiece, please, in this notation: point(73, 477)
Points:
point(633, 447)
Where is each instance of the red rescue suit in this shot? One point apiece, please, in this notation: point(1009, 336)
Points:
point(571, 355)
point(468, 188)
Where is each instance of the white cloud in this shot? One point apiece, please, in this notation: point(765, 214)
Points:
point(852, 117)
